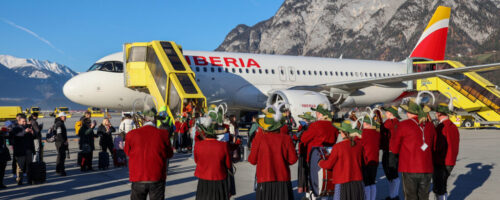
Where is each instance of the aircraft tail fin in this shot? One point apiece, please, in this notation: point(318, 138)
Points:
point(432, 43)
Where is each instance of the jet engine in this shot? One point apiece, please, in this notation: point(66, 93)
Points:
point(298, 101)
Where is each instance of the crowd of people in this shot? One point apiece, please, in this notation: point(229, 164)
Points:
point(420, 149)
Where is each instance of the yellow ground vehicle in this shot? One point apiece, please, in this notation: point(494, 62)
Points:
point(57, 110)
point(9, 112)
point(34, 110)
point(479, 98)
point(160, 69)
point(95, 112)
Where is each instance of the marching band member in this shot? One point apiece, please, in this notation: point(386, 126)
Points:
point(371, 145)
point(320, 133)
point(445, 157)
point(273, 153)
point(414, 141)
point(303, 171)
point(387, 130)
point(346, 162)
point(212, 160)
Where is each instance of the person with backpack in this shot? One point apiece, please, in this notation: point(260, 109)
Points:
point(61, 142)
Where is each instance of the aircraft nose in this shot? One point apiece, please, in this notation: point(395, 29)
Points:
point(70, 88)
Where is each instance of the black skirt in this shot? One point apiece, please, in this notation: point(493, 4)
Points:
point(352, 190)
point(212, 190)
point(303, 173)
point(275, 191)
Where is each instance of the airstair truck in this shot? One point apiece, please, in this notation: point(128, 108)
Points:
point(9, 112)
point(478, 97)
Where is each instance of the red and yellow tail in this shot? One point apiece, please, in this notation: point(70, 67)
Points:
point(432, 43)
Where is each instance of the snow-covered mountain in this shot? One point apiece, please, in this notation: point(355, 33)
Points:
point(32, 68)
point(367, 29)
point(31, 82)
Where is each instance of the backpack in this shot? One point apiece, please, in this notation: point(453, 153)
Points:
point(51, 135)
point(78, 125)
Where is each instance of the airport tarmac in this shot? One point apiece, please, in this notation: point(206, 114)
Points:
point(476, 175)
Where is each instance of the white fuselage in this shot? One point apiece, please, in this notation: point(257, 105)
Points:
point(242, 80)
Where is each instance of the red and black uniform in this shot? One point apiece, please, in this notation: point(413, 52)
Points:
point(445, 156)
point(415, 156)
point(273, 153)
point(180, 137)
point(303, 170)
point(346, 162)
point(389, 159)
point(319, 134)
point(148, 149)
point(371, 145)
point(212, 164)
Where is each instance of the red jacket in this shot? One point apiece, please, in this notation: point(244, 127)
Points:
point(370, 140)
point(386, 131)
point(407, 142)
point(212, 159)
point(447, 143)
point(272, 152)
point(345, 161)
point(181, 127)
point(319, 134)
point(148, 149)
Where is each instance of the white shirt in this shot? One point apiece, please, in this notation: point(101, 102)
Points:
point(126, 125)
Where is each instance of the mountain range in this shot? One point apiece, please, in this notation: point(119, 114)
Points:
point(370, 29)
point(31, 82)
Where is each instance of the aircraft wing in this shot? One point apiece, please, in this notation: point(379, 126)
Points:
point(397, 81)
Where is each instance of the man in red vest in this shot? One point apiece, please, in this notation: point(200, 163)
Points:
point(446, 153)
point(148, 149)
point(414, 141)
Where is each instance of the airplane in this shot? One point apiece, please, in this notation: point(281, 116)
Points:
point(250, 81)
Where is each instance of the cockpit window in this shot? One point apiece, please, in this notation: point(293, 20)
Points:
point(94, 67)
point(112, 66)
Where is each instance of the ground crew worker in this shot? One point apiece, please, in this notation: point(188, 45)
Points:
point(148, 149)
point(414, 141)
point(345, 161)
point(213, 161)
point(273, 153)
point(445, 157)
point(320, 133)
point(387, 130)
point(371, 144)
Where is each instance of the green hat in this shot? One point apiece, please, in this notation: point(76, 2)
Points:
point(307, 116)
point(273, 119)
point(347, 126)
point(212, 122)
point(443, 108)
point(367, 120)
point(321, 109)
point(393, 110)
point(149, 113)
point(412, 107)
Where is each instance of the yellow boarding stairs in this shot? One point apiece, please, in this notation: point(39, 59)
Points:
point(475, 95)
point(160, 69)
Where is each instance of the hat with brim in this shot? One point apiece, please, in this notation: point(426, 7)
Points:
point(61, 114)
point(347, 126)
point(393, 110)
point(372, 122)
point(443, 108)
point(411, 107)
point(321, 109)
point(270, 122)
point(307, 116)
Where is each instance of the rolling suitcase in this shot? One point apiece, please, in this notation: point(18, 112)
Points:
point(38, 171)
point(103, 160)
point(120, 158)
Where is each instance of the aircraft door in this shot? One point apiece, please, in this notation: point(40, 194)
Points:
point(291, 73)
point(282, 73)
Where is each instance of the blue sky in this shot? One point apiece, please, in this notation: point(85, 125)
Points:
point(77, 33)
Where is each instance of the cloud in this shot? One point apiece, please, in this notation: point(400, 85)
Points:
point(32, 33)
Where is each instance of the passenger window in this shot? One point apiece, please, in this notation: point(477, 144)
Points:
point(227, 70)
point(352, 74)
point(298, 72)
point(315, 72)
point(320, 73)
point(246, 70)
point(281, 71)
point(240, 70)
point(304, 72)
point(272, 71)
point(197, 69)
point(260, 71)
point(253, 71)
point(341, 73)
point(212, 69)
point(219, 69)
point(234, 71)
point(310, 72)
point(336, 73)
point(204, 69)
point(267, 71)
point(326, 73)
point(291, 72)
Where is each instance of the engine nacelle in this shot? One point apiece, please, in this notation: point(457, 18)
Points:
point(298, 101)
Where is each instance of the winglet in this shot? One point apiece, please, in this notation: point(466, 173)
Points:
point(432, 43)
